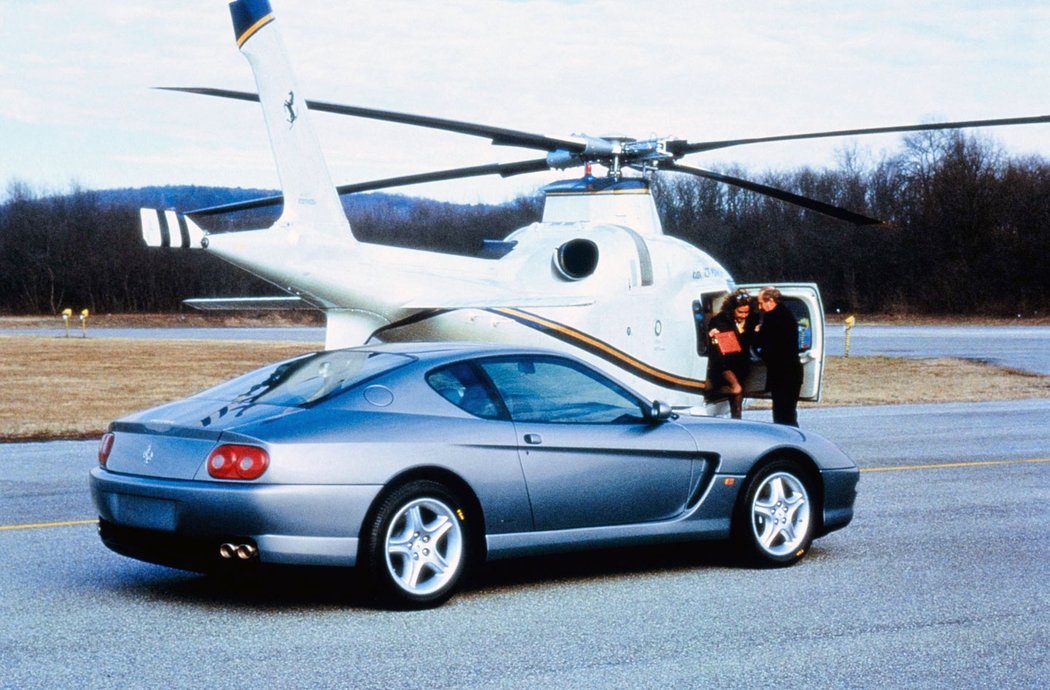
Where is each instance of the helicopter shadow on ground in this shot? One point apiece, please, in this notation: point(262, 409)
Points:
point(275, 588)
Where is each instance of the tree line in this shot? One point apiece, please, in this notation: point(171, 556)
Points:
point(966, 231)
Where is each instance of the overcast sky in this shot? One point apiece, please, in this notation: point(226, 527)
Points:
point(76, 104)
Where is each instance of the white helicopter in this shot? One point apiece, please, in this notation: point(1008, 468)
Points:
point(596, 276)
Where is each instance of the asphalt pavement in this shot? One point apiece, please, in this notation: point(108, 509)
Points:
point(1018, 347)
point(942, 580)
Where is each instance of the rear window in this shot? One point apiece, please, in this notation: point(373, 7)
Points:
point(305, 380)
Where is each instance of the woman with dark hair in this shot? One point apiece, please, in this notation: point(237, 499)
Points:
point(731, 332)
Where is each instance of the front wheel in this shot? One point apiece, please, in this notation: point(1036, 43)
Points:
point(774, 526)
point(417, 548)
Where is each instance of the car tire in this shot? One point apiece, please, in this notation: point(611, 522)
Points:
point(774, 524)
point(418, 546)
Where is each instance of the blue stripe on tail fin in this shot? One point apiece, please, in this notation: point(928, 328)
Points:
point(248, 17)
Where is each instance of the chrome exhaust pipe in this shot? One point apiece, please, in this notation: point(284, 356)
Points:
point(243, 552)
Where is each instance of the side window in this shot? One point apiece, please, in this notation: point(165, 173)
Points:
point(549, 389)
point(460, 384)
point(700, 317)
point(805, 324)
point(703, 311)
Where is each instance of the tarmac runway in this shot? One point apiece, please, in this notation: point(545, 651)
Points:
point(1018, 347)
point(289, 333)
point(941, 581)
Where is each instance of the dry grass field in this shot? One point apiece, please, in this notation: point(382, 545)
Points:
point(893, 380)
point(54, 387)
point(73, 387)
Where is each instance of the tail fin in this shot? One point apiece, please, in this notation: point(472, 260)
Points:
point(310, 199)
point(169, 229)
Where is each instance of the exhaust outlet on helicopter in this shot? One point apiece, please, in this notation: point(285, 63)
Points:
point(576, 259)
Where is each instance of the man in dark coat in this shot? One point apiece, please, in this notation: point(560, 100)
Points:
point(777, 343)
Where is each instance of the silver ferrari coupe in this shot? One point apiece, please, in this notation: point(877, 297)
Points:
point(415, 462)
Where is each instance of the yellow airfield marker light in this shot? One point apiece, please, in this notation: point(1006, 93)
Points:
point(66, 315)
point(83, 323)
point(850, 320)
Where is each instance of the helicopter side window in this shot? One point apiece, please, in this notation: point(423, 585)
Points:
point(701, 324)
point(805, 324)
point(703, 310)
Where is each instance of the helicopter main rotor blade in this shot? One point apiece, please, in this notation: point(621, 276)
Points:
point(682, 148)
point(782, 195)
point(500, 136)
point(501, 169)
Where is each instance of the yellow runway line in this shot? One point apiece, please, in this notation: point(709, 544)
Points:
point(41, 525)
point(943, 465)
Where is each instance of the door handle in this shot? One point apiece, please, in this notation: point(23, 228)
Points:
point(533, 439)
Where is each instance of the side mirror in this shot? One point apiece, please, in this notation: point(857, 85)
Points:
point(659, 411)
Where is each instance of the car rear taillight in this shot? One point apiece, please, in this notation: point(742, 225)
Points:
point(104, 447)
point(233, 461)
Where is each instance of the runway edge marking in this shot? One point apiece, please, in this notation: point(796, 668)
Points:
point(944, 465)
point(41, 525)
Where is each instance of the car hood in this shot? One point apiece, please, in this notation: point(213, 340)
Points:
point(738, 442)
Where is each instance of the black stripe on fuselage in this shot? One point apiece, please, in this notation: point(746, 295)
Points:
point(605, 351)
point(578, 339)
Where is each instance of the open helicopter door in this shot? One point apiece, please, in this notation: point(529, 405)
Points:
point(803, 299)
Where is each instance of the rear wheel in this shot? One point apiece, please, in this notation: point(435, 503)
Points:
point(774, 524)
point(418, 548)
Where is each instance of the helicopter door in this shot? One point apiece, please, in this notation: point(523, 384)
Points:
point(803, 299)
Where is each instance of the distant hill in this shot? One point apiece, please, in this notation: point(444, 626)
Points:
point(179, 197)
point(190, 197)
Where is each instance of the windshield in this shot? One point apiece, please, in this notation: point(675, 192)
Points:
point(306, 380)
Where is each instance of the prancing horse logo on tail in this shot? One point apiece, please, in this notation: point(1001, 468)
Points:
point(289, 105)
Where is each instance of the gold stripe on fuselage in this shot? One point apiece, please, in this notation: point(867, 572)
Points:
point(592, 343)
point(250, 31)
point(598, 192)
